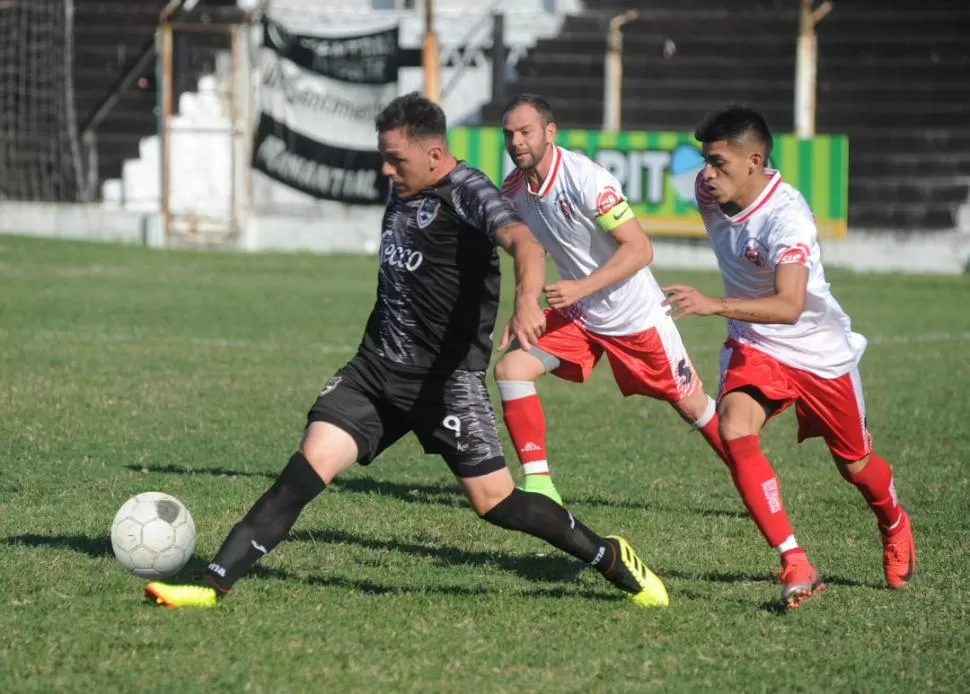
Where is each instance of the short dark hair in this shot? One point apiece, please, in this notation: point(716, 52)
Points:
point(732, 123)
point(536, 102)
point(417, 114)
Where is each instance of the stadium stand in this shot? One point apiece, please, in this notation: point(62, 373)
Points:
point(893, 76)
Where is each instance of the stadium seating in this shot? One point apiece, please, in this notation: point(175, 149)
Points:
point(107, 35)
point(893, 76)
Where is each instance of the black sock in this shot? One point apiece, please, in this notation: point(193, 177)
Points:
point(267, 523)
point(540, 516)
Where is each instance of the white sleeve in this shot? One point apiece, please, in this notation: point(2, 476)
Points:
point(600, 191)
point(793, 241)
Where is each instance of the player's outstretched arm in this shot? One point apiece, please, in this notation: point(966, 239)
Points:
point(528, 321)
point(634, 252)
point(785, 306)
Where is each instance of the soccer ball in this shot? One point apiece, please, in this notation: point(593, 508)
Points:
point(153, 535)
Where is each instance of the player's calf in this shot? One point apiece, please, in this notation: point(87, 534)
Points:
point(258, 533)
point(541, 517)
point(268, 522)
point(873, 477)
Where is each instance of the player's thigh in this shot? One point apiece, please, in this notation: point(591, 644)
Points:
point(571, 345)
point(453, 418)
point(754, 387)
point(652, 362)
point(834, 409)
point(358, 422)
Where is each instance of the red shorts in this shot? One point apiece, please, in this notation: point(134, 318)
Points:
point(832, 408)
point(653, 362)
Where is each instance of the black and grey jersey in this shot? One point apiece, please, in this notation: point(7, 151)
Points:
point(438, 277)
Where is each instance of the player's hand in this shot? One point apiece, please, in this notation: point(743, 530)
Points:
point(563, 293)
point(527, 324)
point(683, 300)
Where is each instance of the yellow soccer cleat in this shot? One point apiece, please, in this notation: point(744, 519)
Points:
point(180, 596)
point(652, 591)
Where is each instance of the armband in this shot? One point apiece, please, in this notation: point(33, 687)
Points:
point(615, 216)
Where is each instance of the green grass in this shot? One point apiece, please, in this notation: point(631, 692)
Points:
point(125, 370)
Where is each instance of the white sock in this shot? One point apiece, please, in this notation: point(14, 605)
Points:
point(537, 467)
point(788, 545)
point(708, 415)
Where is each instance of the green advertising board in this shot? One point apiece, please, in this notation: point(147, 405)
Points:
point(657, 171)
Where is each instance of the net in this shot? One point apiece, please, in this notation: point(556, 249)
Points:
point(40, 157)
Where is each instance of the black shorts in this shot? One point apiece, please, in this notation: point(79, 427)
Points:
point(377, 403)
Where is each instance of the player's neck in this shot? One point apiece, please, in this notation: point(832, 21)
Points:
point(538, 175)
point(746, 197)
point(448, 165)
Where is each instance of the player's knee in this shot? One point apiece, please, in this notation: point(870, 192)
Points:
point(731, 428)
point(507, 369)
point(328, 449)
point(697, 408)
point(483, 502)
point(518, 365)
point(488, 491)
point(739, 414)
point(849, 468)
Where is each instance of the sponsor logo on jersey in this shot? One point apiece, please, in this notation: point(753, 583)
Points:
point(428, 211)
point(401, 257)
point(608, 197)
point(797, 254)
point(755, 252)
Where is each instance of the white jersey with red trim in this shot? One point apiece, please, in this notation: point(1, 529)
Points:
point(776, 229)
point(563, 215)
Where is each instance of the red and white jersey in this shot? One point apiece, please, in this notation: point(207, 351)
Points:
point(776, 229)
point(572, 215)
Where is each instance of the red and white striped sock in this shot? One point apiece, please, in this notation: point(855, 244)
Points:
point(526, 424)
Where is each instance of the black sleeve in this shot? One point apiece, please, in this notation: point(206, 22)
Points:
point(481, 205)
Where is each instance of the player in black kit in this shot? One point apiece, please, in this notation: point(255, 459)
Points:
point(421, 365)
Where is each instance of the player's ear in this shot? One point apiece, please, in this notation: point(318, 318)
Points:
point(755, 161)
point(436, 154)
point(551, 131)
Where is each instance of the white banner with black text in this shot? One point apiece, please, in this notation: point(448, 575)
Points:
point(318, 99)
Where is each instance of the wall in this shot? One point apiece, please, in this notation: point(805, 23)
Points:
point(354, 232)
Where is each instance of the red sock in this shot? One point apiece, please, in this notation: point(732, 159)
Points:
point(713, 437)
point(526, 424)
point(759, 488)
point(875, 482)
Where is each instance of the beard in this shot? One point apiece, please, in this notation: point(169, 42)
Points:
point(530, 158)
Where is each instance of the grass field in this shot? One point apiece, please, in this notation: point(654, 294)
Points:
point(125, 370)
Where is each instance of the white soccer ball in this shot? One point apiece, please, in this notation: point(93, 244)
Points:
point(153, 535)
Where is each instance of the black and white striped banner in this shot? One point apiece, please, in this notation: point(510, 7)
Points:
point(317, 100)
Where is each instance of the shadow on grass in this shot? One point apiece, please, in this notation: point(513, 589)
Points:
point(535, 568)
point(766, 577)
point(550, 569)
point(441, 494)
point(370, 587)
point(774, 606)
point(92, 546)
point(556, 569)
point(213, 471)
point(96, 548)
